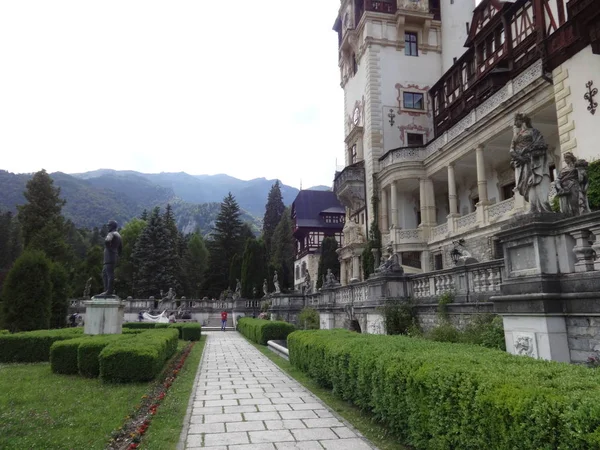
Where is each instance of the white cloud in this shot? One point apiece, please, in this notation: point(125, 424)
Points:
point(245, 88)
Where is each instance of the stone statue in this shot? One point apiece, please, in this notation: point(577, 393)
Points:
point(276, 283)
point(307, 284)
point(353, 233)
point(529, 158)
point(238, 288)
point(171, 295)
point(572, 185)
point(265, 288)
point(391, 264)
point(113, 246)
point(87, 289)
point(329, 280)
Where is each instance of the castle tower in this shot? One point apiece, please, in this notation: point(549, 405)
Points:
point(390, 53)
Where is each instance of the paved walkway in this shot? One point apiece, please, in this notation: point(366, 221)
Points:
point(243, 401)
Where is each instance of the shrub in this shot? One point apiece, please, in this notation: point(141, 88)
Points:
point(161, 325)
point(59, 306)
point(63, 356)
point(88, 352)
point(140, 358)
point(32, 346)
point(139, 325)
point(445, 299)
point(454, 396)
point(4, 332)
point(444, 332)
point(191, 331)
point(27, 293)
point(399, 318)
point(262, 331)
point(308, 319)
point(486, 330)
point(178, 327)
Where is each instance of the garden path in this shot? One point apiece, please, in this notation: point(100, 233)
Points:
point(243, 401)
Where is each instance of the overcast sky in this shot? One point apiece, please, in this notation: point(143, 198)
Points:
point(247, 88)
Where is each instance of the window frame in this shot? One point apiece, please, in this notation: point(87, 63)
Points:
point(412, 135)
point(413, 94)
point(411, 43)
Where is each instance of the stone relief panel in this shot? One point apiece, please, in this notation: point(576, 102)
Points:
point(525, 344)
point(375, 324)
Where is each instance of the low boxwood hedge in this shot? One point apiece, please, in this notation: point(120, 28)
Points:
point(88, 352)
point(138, 325)
point(193, 330)
point(33, 346)
point(455, 396)
point(261, 331)
point(63, 355)
point(140, 358)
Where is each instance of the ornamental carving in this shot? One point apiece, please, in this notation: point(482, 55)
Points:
point(353, 233)
point(589, 96)
point(525, 345)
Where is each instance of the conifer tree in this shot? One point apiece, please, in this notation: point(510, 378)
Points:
point(26, 304)
point(151, 251)
point(329, 260)
point(235, 271)
point(253, 269)
point(127, 268)
point(59, 305)
point(196, 263)
point(226, 241)
point(283, 250)
point(172, 262)
point(274, 210)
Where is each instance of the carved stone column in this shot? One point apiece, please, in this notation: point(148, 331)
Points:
point(452, 196)
point(427, 199)
point(583, 251)
point(394, 205)
point(355, 269)
point(481, 180)
point(343, 273)
point(384, 211)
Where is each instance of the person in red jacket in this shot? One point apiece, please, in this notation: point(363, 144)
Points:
point(223, 320)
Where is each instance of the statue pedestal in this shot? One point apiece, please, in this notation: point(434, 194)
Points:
point(104, 315)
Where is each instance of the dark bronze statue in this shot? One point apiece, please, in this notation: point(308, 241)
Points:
point(113, 246)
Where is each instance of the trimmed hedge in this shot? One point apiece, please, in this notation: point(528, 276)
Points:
point(4, 332)
point(88, 352)
point(63, 356)
point(140, 358)
point(193, 330)
point(261, 331)
point(455, 396)
point(33, 346)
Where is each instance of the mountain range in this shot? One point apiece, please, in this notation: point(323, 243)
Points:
point(97, 196)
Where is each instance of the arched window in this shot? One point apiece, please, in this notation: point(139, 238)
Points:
point(297, 272)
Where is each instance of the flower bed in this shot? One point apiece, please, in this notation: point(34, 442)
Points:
point(262, 331)
point(452, 396)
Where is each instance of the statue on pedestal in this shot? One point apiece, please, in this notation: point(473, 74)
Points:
point(276, 283)
point(391, 264)
point(329, 280)
point(113, 246)
point(307, 284)
point(572, 185)
point(530, 159)
point(238, 289)
point(265, 288)
point(87, 289)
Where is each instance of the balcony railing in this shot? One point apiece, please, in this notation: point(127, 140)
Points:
point(403, 154)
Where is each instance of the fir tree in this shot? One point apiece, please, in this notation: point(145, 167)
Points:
point(226, 241)
point(253, 269)
point(127, 268)
point(151, 251)
point(144, 215)
point(283, 251)
point(172, 262)
point(274, 210)
point(235, 271)
point(27, 293)
point(60, 296)
point(196, 263)
point(329, 260)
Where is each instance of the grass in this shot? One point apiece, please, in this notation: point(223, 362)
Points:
point(166, 425)
point(359, 419)
point(43, 410)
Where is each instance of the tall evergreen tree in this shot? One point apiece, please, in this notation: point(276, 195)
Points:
point(226, 241)
point(173, 249)
point(196, 263)
point(283, 250)
point(274, 210)
point(235, 271)
point(150, 252)
point(329, 259)
point(127, 268)
point(43, 208)
point(253, 269)
point(59, 305)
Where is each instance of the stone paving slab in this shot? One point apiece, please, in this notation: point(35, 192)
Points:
point(243, 401)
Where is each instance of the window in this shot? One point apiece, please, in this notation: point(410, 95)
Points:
point(354, 154)
point(507, 191)
point(414, 139)
point(413, 100)
point(297, 273)
point(438, 261)
point(411, 47)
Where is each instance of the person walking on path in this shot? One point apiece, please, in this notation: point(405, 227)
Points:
point(223, 320)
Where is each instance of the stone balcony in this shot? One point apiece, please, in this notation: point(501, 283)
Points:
point(349, 186)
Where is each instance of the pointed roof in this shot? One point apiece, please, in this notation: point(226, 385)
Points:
point(484, 14)
point(309, 207)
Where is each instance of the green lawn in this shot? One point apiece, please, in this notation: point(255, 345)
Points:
point(165, 429)
point(43, 410)
point(360, 420)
